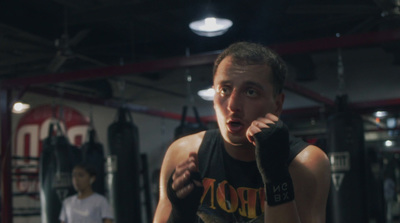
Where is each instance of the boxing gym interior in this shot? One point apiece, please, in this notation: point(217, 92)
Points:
point(119, 79)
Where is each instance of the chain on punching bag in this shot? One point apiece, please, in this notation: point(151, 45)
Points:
point(345, 147)
point(123, 169)
point(57, 159)
point(186, 128)
point(93, 154)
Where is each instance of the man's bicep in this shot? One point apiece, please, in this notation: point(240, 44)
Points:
point(163, 210)
point(312, 179)
point(321, 188)
point(164, 205)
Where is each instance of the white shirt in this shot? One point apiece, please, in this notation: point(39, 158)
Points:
point(92, 209)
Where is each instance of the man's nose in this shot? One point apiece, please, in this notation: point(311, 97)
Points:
point(235, 103)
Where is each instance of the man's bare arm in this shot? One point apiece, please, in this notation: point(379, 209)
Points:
point(177, 153)
point(311, 177)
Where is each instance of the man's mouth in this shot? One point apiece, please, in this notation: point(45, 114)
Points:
point(234, 126)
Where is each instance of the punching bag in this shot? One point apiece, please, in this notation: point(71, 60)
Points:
point(347, 200)
point(123, 169)
point(93, 154)
point(186, 128)
point(57, 159)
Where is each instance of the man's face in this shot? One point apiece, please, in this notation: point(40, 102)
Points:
point(243, 93)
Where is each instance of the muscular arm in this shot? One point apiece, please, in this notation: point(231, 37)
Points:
point(164, 205)
point(176, 153)
point(310, 172)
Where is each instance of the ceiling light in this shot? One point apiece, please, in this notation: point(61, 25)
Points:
point(19, 107)
point(210, 26)
point(380, 114)
point(389, 143)
point(207, 94)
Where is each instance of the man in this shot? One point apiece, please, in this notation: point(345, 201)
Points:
point(249, 170)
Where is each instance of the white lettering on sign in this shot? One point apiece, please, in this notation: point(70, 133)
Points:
point(340, 161)
point(337, 179)
point(27, 143)
point(32, 132)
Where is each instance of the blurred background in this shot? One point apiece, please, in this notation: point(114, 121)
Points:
point(79, 63)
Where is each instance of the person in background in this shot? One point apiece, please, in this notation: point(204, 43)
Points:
point(86, 206)
point(250, 169)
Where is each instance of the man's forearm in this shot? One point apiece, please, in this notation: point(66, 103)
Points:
point(283, 213)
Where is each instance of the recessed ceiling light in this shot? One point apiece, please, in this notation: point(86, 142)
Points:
point(389, 143)
point(207, 94)
point(380, 114)
point(19, 107)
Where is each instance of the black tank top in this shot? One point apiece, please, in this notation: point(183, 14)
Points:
point(233, 189)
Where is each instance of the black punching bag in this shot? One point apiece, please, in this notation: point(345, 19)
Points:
point(187, 128)
point(123, 169)
point(347, 200)
point(93, 154)
point(57, 159)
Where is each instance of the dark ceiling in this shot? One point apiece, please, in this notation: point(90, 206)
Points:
point(102, 33)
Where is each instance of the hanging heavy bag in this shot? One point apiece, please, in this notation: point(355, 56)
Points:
point(347, 200)
point(187, 128)
point(93, 154)
point(57, 159)
point(123, 169)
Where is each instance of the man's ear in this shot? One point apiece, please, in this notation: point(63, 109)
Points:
point(279, 99)
point(92, 179)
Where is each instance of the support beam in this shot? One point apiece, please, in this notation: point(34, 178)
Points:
point(306, 46)
point(113, 71)
point(305, 92)
point(116, 104)
point(332, 43)
point(365, 107)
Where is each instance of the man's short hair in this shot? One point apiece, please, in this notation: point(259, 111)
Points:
point(254, 53)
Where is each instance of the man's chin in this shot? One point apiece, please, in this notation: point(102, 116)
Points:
point(238, 141)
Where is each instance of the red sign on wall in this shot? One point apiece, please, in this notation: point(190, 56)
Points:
point(31, 130)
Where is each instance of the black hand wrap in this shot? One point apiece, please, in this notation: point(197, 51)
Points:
point(184, 210)
point(272, 152)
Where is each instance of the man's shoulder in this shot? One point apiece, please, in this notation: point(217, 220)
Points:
point(188, 144)
point(312, 153)
point(311, 161)
point(310, 172)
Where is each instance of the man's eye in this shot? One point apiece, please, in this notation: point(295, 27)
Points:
point(251, 92)
point(224, 91)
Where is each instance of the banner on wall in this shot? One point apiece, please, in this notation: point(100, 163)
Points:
point(32, 128)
